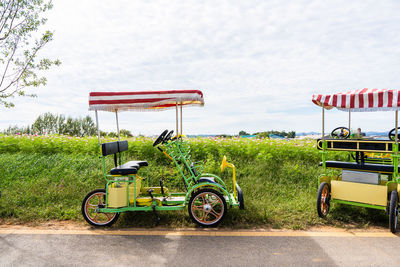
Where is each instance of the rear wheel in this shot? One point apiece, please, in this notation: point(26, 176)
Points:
point(393, 211)
point(92, 202)
point(323, 199)
point(207, 207)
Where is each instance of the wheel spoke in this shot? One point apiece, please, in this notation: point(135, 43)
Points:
point(98, 198)
point(214, 203)
point(203, 218)
point(109, 215)
point(216, 214)
point(197, 207)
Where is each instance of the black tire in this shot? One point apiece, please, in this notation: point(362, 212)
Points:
point(240, 197)
point(323, 199)
point(393, 211)
point(109, 218)
point(205, 210)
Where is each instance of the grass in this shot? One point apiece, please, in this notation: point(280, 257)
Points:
point(46, 178)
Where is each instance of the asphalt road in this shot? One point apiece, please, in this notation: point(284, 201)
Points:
point(169, 249)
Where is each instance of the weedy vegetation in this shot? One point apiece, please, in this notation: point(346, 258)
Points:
point(46, 178)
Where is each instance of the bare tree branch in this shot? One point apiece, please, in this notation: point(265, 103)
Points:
point(8, 64)
point(4, 22)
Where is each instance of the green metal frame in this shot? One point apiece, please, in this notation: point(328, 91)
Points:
point(179, 152)
point(395, 176)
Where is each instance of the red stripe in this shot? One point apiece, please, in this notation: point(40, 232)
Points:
point(398, 99)
point(125, 101)
point(361, 97)
point(370, 99)
point(343, 101)
point(380, 99)
point(390, 98)
point(147, 93)
point(352, 100)
point(327, 100)
point(334, 101)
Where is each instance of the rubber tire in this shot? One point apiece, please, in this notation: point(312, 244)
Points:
point(86, 217)
point(200, 192)
point(319, 199)
point(393, 211)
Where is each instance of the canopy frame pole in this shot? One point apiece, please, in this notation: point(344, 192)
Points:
point(176, 108)
point(396, 123)
point(97, 126)
point(395, 157)
point(324, 144)
point(181, 117)
point(349, 121)
point(323, 124)
point(116, 118)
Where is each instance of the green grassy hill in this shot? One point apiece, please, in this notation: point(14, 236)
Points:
point(46, 178)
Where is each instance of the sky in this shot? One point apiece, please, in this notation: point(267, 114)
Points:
point(258, 63)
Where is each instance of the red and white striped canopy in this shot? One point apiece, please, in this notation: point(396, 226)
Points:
point(144, 100)
point(361, 100)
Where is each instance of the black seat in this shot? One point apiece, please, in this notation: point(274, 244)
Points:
point(125, 169)
point(359, 166)
point(140, 163)
point(114, 148)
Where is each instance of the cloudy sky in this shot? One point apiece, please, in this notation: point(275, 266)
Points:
point(257, 62)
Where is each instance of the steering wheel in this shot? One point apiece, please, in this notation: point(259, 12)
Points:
point(392, 133)
point(160, 138)
point(343, 133)
point(168, 137)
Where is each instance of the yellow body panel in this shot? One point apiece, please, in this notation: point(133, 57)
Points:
point(357, 192)
point(117, 194)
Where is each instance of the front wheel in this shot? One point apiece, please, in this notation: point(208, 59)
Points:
point(207, 207)
point(323, 200)
point(393, 211)
point(91, 203)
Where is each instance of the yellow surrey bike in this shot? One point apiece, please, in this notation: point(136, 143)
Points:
point(206, 198)
point(371, 179)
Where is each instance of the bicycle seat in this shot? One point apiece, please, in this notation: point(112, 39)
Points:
point(125, 169)
point(140, 163)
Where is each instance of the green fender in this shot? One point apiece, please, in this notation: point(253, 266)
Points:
point(188, 194)
point(219, 180)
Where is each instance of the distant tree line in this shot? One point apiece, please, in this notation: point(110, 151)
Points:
point(291, 134)
point(267, 134)
point(49, 123)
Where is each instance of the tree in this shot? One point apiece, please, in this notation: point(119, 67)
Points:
point(124, 132)
point(19, 46)
point(291, 134)
point(243, 133)
point(49, 123)
point(88, 127)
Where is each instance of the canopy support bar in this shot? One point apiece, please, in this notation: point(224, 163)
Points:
point(177, 132)
point(349, 121)
point(97, 125)
point(323, 124)
point(116, 118)
point(396, 139)
point(181, 118)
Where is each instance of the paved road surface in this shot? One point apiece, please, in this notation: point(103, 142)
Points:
point(197, 248)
